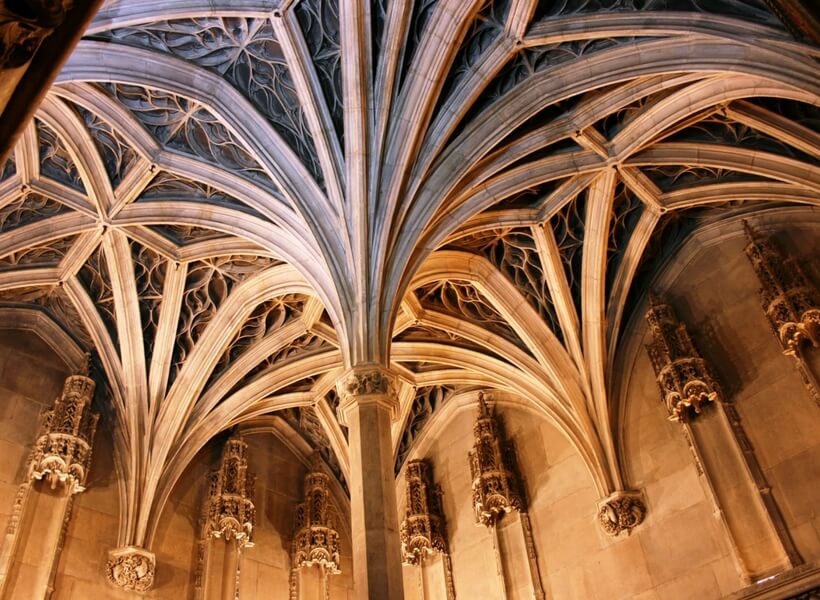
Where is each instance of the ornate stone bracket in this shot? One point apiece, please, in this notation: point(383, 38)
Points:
point(365, 385)
point(685, 381)
point(621, 512)
point(131, 568)
point(423, 528)
point(790, 301)
point(316, 541)
point(62, 453)
point(496, 484)
point(229, 510)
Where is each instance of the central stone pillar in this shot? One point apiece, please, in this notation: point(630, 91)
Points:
point(367, 406)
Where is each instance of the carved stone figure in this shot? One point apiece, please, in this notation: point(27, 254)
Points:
point(496, 484)
point(685, 381)
point(131, 568)
point(622, 511)
point(316, 541)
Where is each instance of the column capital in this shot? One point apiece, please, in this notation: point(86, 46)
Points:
point(621, 511)
point(131, 568)
point(367, 384)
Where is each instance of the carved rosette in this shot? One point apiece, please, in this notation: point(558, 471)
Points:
point(316, 541)
point(131, 568)
point(685, 381)
point(496, 485)
point(423, 530)
point(366, 384)
point(24, 25)
point(62, 452)
point(790, 301)
point(621, 511)
point(229, 510)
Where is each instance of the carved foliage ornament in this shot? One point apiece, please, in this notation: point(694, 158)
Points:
point(24, 25)
point(131, 568)
point(685, 381)
point(62, 453)
point(316, 541)
point(229, 511)
point(366, 384)
point(790, 301)
point(496, 485)
point(622, 511)
point(423, 528)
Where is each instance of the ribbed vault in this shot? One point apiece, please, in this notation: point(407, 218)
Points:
point(229, 203)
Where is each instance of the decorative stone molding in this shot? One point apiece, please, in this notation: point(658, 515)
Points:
point(621, 511)
point(23, 27)
point(496, 484)
point(62, 452)
point(685, 380)
point(423, 530)
point(790, 301)
point(131, 568)
point(366, 384)
point(316, 541)
point(229, 510)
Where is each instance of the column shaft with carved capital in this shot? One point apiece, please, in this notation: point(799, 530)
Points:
point(315, 551)
point(726, 462)
point(57, 470)
point(228, 519)
point(790, 301)
point(497, 491)
point(367, 405)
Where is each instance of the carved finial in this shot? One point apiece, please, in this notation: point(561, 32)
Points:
point(655, 299)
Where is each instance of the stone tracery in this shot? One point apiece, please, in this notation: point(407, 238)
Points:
point(571, 244)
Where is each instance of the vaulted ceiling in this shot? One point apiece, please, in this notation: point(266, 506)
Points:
point(230, 202)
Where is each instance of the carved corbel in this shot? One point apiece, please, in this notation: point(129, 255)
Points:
point(621, 512)
point(131, 568)
point(423, 528)
point(368, 384)
point(685, 381)
point(229, 511)
point(790, 301)
point(316, 541)
point(496, 484)
point(62, 452)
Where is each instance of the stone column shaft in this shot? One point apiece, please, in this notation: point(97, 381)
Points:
point(368, 405)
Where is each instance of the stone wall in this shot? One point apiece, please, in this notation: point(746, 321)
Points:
point(682, 550)
point(31, 376)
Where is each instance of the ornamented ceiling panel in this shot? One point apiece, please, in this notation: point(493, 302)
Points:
point(231, 202)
